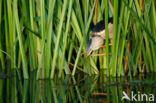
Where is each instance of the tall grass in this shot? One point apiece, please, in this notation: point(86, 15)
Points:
point(24, 62)
point(50, 36)
point(106, 30)
point(1, 54)
point(58, 38)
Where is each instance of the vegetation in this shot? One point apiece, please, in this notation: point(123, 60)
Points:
point(50, 36)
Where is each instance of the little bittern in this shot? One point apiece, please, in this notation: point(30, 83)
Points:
point(97, 35)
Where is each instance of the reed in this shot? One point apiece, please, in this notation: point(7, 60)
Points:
point(58, 39)
point(48, 35)
point(1, 54)
point(106, 30)
point(24, 62)
point(65, 39)
point(32, 39)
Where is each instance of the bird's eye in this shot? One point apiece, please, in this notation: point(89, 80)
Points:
point(92, 34)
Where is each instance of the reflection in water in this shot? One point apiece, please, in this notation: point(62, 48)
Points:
point(79, 89)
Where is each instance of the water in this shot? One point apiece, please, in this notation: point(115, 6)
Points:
point(78, 89)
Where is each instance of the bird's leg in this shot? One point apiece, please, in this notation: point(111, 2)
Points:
point(105, 46)
point(109, 45)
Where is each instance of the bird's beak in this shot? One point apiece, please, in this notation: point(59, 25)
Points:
point(87, 54)
point(88, 50)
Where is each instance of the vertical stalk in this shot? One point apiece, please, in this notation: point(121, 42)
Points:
point(16, 18)
point(86, 10)
point(118, 36)
point(10, 24)
point(6, 31)
point(38, 13)
point(95, 13)
point(65, 38)
point(33, 56)
point(106, 33)
point(153, 29)
point(1, 54)
point(48, 36)
point(41, 67)
point(58, 39)
point(114, 52)
point(124, 34)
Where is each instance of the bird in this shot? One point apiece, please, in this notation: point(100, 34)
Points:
point(97, 35)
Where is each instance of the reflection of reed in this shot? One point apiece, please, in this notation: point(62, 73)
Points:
point(74, 89)
point(104, 94)
point(4, 76)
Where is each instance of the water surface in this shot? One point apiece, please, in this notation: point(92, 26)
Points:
point(78, 89)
